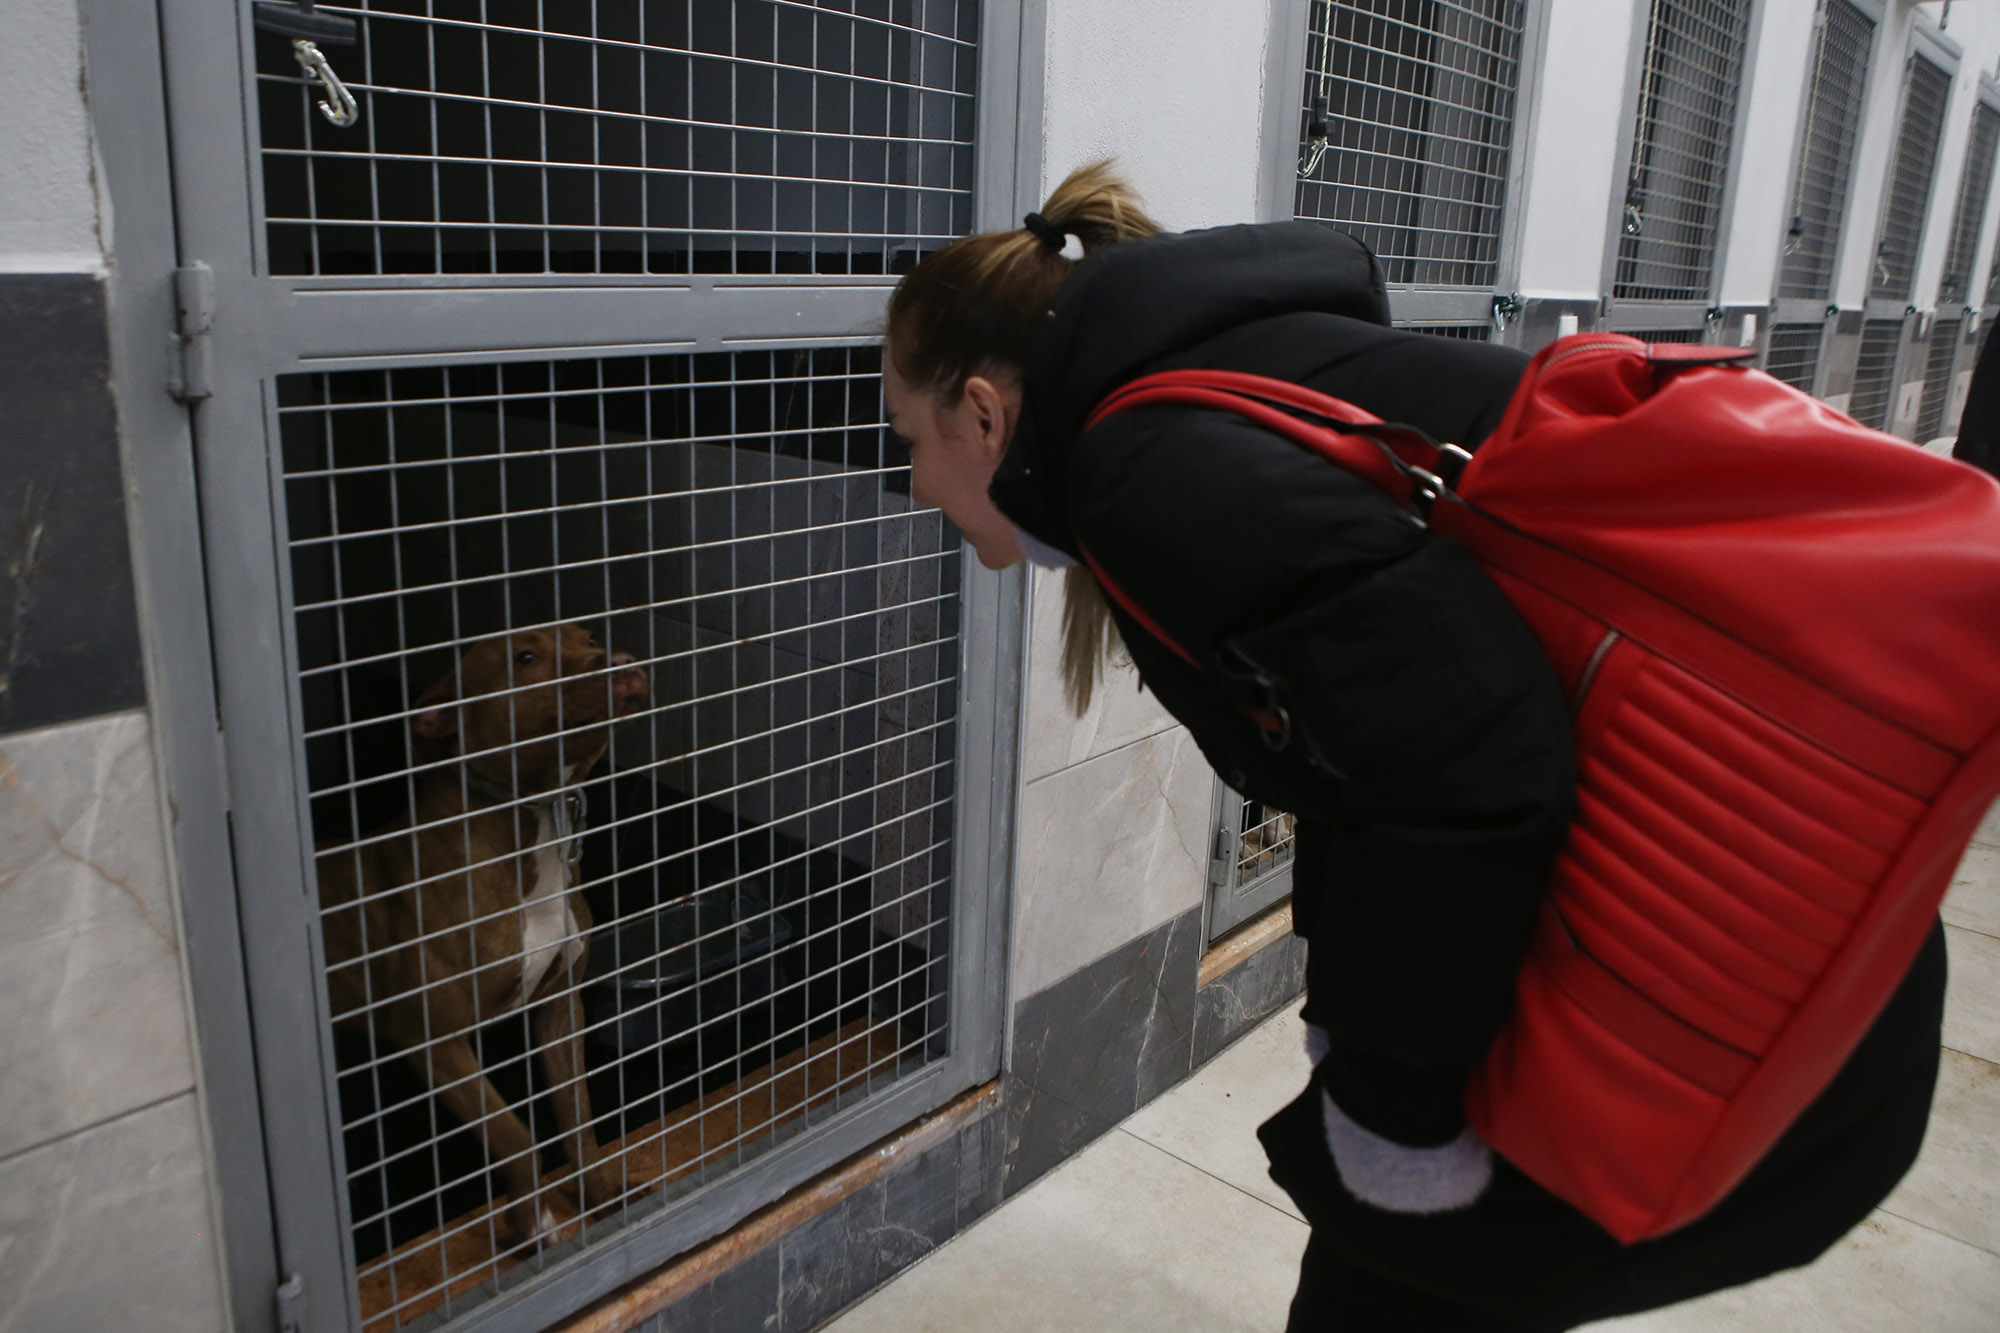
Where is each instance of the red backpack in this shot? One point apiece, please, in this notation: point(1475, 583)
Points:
point(1781, 630)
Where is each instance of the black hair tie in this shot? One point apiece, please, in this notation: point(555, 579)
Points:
point(1051, 235)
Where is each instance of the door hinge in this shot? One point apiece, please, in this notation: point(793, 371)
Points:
point(1222, 860)
point(290, 1301)
point(194, 320)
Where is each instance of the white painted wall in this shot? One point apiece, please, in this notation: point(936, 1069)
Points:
point(48, 194)
point(1173, 88)
point(1573, 154)
point(1113, 821)
point(1769, 128)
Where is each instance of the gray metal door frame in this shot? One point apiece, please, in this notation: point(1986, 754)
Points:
point(1644, 317)
point(1285, 73)
point(264, 326)
point(122, 50)
point(1975, 291)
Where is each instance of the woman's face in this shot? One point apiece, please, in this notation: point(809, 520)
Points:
point(954, 452)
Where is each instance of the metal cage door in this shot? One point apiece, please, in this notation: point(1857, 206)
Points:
point(562, 573)
point(1887, 395)
point(1250, 861)
point(1836, 89)
point(1677, 167)
point(1408, 120)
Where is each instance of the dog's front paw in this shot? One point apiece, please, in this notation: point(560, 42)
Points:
point(527, 1220)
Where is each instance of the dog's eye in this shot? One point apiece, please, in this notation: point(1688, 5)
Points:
point(526, 657)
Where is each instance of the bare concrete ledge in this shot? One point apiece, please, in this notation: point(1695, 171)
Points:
point(1235, 948)
point(665, 1286)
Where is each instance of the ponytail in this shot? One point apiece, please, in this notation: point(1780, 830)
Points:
point(976, 305)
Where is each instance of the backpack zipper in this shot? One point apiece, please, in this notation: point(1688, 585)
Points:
point(1580, 348)
point(1590, 669)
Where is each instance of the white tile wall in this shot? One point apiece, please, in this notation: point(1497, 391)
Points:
point(104, 1194)
point(109, 1229)
point(1109, 848)
point(92, 1022)
point(1119, 714)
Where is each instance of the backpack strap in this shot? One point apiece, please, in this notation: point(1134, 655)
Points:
point(1409, 465)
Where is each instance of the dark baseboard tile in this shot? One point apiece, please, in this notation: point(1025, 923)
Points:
point(828, 1243)
point(1261, 983)
point(69, 630)
point(1097, 1045)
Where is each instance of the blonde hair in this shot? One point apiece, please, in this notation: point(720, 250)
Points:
point(976, 307)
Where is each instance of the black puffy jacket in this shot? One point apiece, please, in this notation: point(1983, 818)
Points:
point(1429, 761)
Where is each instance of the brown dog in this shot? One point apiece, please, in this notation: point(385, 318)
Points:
point(469, 915)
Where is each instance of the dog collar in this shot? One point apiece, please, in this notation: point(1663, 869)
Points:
point(564, 804)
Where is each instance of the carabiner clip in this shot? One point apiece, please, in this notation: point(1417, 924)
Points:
point(341, 111)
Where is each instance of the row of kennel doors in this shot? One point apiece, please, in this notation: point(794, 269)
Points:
point(1407, 123)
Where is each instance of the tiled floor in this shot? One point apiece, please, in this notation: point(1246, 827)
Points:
point(1169, 1223)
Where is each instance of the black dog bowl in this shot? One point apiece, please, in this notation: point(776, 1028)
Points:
point(666, 973)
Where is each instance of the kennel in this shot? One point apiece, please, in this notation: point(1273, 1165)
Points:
point(1678, 166)
point(1886, 374)
point(1830, 127)
point(572, 324)
point(1250, 863)
point(1952, 328)
point(1407, 129)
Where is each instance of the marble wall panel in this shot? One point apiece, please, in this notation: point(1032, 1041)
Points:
point(1119, 713)
point(92, 1017)
point(1108, 849)
point(110, 1228)
point(1099, 1044)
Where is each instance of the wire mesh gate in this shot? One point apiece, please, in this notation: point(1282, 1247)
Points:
point(1408, 125)
point(1250, 863)
point(593, 733)
point(1677, 168)
point(1838, 84)
point(1887, 356)
point(1407, 122)
point(1937, 414)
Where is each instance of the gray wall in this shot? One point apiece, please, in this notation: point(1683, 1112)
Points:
point(105, 1211)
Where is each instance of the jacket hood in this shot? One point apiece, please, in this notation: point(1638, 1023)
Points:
point(1134, 304)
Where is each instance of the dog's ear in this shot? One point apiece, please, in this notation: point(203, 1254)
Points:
point(435, 718)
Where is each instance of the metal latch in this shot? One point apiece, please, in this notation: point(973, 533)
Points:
point(307, 27)
point(290, 1302)
point(194, 320)
point(1318, 132)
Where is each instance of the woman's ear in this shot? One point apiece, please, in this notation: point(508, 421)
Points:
point(992, 405)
